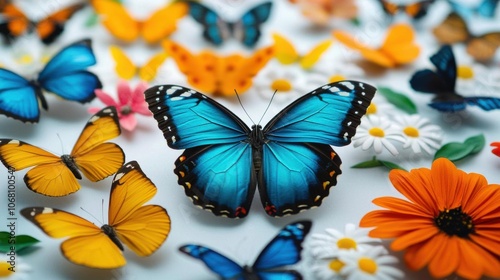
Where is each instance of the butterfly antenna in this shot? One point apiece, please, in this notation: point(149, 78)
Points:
point(268, 105)
point(102, 209)
point(60, 142)
point(241, 104)
point(92, 216)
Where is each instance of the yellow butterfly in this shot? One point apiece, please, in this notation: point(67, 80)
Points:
point(142, 228)
point(123, 26)
point(286, 53)
point(215, 74)
point(56, 176)
point(126, 69)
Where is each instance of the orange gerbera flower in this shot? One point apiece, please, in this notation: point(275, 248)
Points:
point(451, 223)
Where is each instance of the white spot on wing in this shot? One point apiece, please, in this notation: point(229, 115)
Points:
point(118, 176)
point(46, 210)
point(349, 85)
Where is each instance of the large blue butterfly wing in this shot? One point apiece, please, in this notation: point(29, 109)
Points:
point(279, 275)
point(216, 168)
point(66, 74)
point(446, 66)
point(247, 29)
point(18, 98)
point(224, 267)
point(487, 8)
point(485, 103)
point(215, 30)
point(284, 249)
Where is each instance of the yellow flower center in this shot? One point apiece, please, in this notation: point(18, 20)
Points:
point(336, 78)
point(367, 265)
point(45, 58)
point(372, 109)
point(4, 269)
point(465, 72)
point(25, 59)
point(411, 131)
point(281, 85)
point(346, 243)
point(377, 132)
point(336, 265)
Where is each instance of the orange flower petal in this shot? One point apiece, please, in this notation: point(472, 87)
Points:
point(415, 186)
point(401, 227)
point(445, 178)
point(401, 206)
point(486, 201)
point(476, 261)
point(377, 217)
point(414, 237)
point(418, 255)
point(490, 244)
point(472, 184)
point(447, 257)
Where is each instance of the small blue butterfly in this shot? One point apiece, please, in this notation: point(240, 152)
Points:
point(486, 8)
point(290, 158)
point(442, 83)
point(216, 30)
point(283, 250)
point(65, 75)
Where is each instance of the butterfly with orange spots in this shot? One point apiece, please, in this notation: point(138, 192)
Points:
point(54, 175)
point(124, 27)
point(415, 10)
point(398, 48)
point(14, 23)
point(454, 30)
point(143, 228)
point(218, 75)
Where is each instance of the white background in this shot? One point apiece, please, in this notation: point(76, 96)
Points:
point(243, 239)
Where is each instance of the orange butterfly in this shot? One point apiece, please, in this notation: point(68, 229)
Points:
point(415, 10)
point(219, 75)
point(454, 30)
point(123, 26)
point(56, 176)
point(14, 23)
point(142, 228)
point(398, 48)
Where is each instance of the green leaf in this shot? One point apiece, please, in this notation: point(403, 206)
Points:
point(355, 21)
point(374, 162)
point(456, 151)
point(21, 242)
point(92, 20)
point(399, 100)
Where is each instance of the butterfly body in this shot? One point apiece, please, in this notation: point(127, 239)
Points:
point(442, 83)
point(283, 250)
point(69, 161)
point(111, 233)
point(216, 30)
point(290, 159)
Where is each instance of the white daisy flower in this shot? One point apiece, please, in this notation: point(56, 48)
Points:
point(380, 107)
point(330, 244)
point(374, 264)
point(419, 133)
point(16, 269)
point(328, 269)
point(376, 131)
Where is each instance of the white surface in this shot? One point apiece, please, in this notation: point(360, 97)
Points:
point(243, 239)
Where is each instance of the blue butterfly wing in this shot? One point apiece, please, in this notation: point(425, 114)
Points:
point(18, 98)
point(279, 275)
point(485, 103)
point(284, 249)
point(487, 8)
point(248, 27)
point(66, 73)
point(462, 10)
point(224, 267)
point(428, 81)
point(210, 20)
point(216, 168)
point(444, 60)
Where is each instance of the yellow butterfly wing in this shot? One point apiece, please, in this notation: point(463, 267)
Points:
point(149, 71)
point(96, 159)
point(50, 176)
point(452, 30)
point(142, 228)
point(124, 67)
point(163, 22)
point(117, 20)
point(88, 245)
point(314, 55)
point(367, 52)
point(284, 51)
point(400, 44)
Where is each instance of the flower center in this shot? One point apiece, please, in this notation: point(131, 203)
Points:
point(4, 269)
point(376, 132)
point(25, 59)
point(411, 131)
point(372, 109)
point(367, 265)
point(336, 265)
point(281, 85)
point(465, 72)
point(346, 243)
point(125, 110)
point(336, 78)
point(455, 222)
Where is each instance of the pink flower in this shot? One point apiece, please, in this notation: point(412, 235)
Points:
point(129, 102)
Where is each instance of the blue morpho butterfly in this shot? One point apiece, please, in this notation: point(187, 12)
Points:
point(442, 83)
point(290, 158)
point(486, 8)
point(65, 75)
point(216, 30)
point(283, 250)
